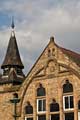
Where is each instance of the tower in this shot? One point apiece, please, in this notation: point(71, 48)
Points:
point(12, 65)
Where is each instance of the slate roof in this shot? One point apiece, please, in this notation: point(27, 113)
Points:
point(12, 57)
point(72, 55)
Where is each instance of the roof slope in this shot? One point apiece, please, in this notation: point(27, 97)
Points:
point(75, 57)
point(12, 57)
point(72, 55)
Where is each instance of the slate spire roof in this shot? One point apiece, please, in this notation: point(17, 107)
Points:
point(12, 65)
point(12, 57)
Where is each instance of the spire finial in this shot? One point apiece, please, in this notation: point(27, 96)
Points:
point(12, 24)
point(52, 39)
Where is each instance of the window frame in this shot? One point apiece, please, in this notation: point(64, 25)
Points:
point(42, 99)
point(66, 109)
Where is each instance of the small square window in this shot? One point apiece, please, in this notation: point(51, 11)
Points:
point(41, 105)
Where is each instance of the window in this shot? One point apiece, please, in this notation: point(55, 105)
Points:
point(53, 51)
point(41, 105)
point(41, 91)
point(6, 71)
point(19, 71)
point(49, 53)
point(28, 109)
point(28, 118)
point(69, 116)
point(55, 117)
point(41, 117)
point(54, 106)
point(67, 87)
point(79, 105)
point(68, 102)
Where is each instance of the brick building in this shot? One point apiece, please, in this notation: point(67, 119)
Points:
point(50, 91)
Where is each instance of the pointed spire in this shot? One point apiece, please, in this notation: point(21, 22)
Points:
point(12, 27)
point(12, 57)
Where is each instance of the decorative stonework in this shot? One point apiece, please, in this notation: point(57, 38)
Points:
point(50, 71)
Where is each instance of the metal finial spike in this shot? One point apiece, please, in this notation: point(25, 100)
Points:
point(12, 25)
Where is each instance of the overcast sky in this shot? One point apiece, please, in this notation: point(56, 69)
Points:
point(35, 22)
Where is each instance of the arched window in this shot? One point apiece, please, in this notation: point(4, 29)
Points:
point(53, 52)
point(41, 103)
point(49, 53)
point(54, 106)
point(28, 109)
point(41, 91)
point(68, 101)
point(67, 87)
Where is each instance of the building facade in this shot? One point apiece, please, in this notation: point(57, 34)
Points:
point(50, 91)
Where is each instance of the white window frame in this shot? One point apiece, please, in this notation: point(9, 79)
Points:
point(68, 101)
point(41, 106)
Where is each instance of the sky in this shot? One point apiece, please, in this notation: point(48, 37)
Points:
point(35, 22)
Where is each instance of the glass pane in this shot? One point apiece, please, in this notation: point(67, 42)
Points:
point(44, 105)
point(66, 103)
point(39, 105)
point(29, 119)
point(69, 116)
point(67, 87)
point(55, 117)
point(71, 102)
point(41, 117)
point(29, 109)
point(54, 107)
point(41, 91)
